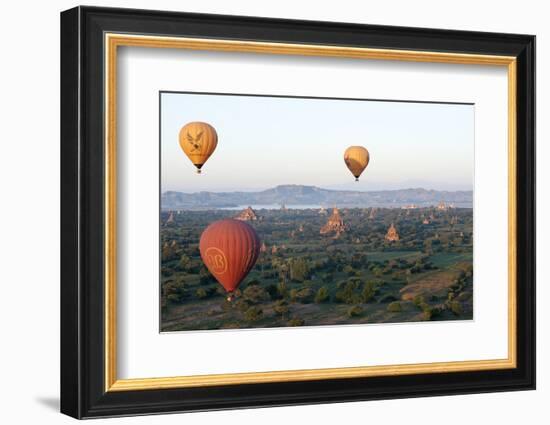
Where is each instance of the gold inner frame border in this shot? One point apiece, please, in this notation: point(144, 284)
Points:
point(111, 43)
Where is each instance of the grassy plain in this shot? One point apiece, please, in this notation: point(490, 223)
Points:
point(311, 279)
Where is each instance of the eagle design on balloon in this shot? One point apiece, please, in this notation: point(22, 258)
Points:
point(196, 144)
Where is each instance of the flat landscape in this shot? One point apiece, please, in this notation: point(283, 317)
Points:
point(323, 267)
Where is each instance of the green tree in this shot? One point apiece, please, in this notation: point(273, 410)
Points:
point(322, 295)
point(304, 295)
point(255, 294)
point(368, 292)
point(349, 270)
point(394, 307)
point(253, 314)
point(184, 263)
point(299, 269)
point(201, 293)
point(354, 311)
point(296, 322)
point(282, 289)
point(281, 308)
point(349, 294)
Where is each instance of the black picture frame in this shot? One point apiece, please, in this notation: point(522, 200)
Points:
point(83, 392)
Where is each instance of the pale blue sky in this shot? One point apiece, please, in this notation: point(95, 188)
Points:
point(268, 141)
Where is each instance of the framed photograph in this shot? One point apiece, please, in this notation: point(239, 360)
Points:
point(261, 212)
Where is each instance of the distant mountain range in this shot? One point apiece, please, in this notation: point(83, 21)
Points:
point(310, 195)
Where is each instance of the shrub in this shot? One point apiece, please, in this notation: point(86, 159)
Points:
point(282, 289)
point(201, 293)
point(322, 295)
point(240, 304)
point(463, 296)
point(348, 294)
point(395, 307)
point(281, 307)
point(184, 263)
point(296, 322)
point(174, 292)
point(230, 325)
point(168, 253)
point(418, 300)
point(349, 270)
point(255, 294)
point(253, 314)
point(456, 308)
point(173, 298)
point(341, 284)
point(304, 296)
point(368, 291)
point(354, 311)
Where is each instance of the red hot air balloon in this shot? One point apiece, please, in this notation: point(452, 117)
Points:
point(229, 249)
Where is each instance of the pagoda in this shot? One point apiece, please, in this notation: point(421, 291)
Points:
point(263, 248)
point(392, 235)
point(248, 214)
point(442, 206)
point(334, 224)
point(170, 218)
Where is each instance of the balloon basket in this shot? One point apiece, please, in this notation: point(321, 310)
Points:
point(356, 179)
point(199, 171)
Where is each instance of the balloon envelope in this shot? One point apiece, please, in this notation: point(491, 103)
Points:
point(229, 248)
point(356, 159)
point(198, 140)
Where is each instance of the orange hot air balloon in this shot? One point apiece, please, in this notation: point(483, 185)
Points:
point(356, 159)
point(229, 248)
point(198, 140)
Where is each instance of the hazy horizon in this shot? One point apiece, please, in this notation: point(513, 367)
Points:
point(319, 187)
point(270, 141)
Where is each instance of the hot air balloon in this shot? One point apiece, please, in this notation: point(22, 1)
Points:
point(229, 248)
point(356, 159)
point(198, 140)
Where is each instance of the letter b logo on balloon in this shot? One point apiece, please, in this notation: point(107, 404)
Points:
point(216, 260)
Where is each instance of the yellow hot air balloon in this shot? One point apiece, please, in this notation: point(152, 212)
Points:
point(356, 159)
point(198, 140)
